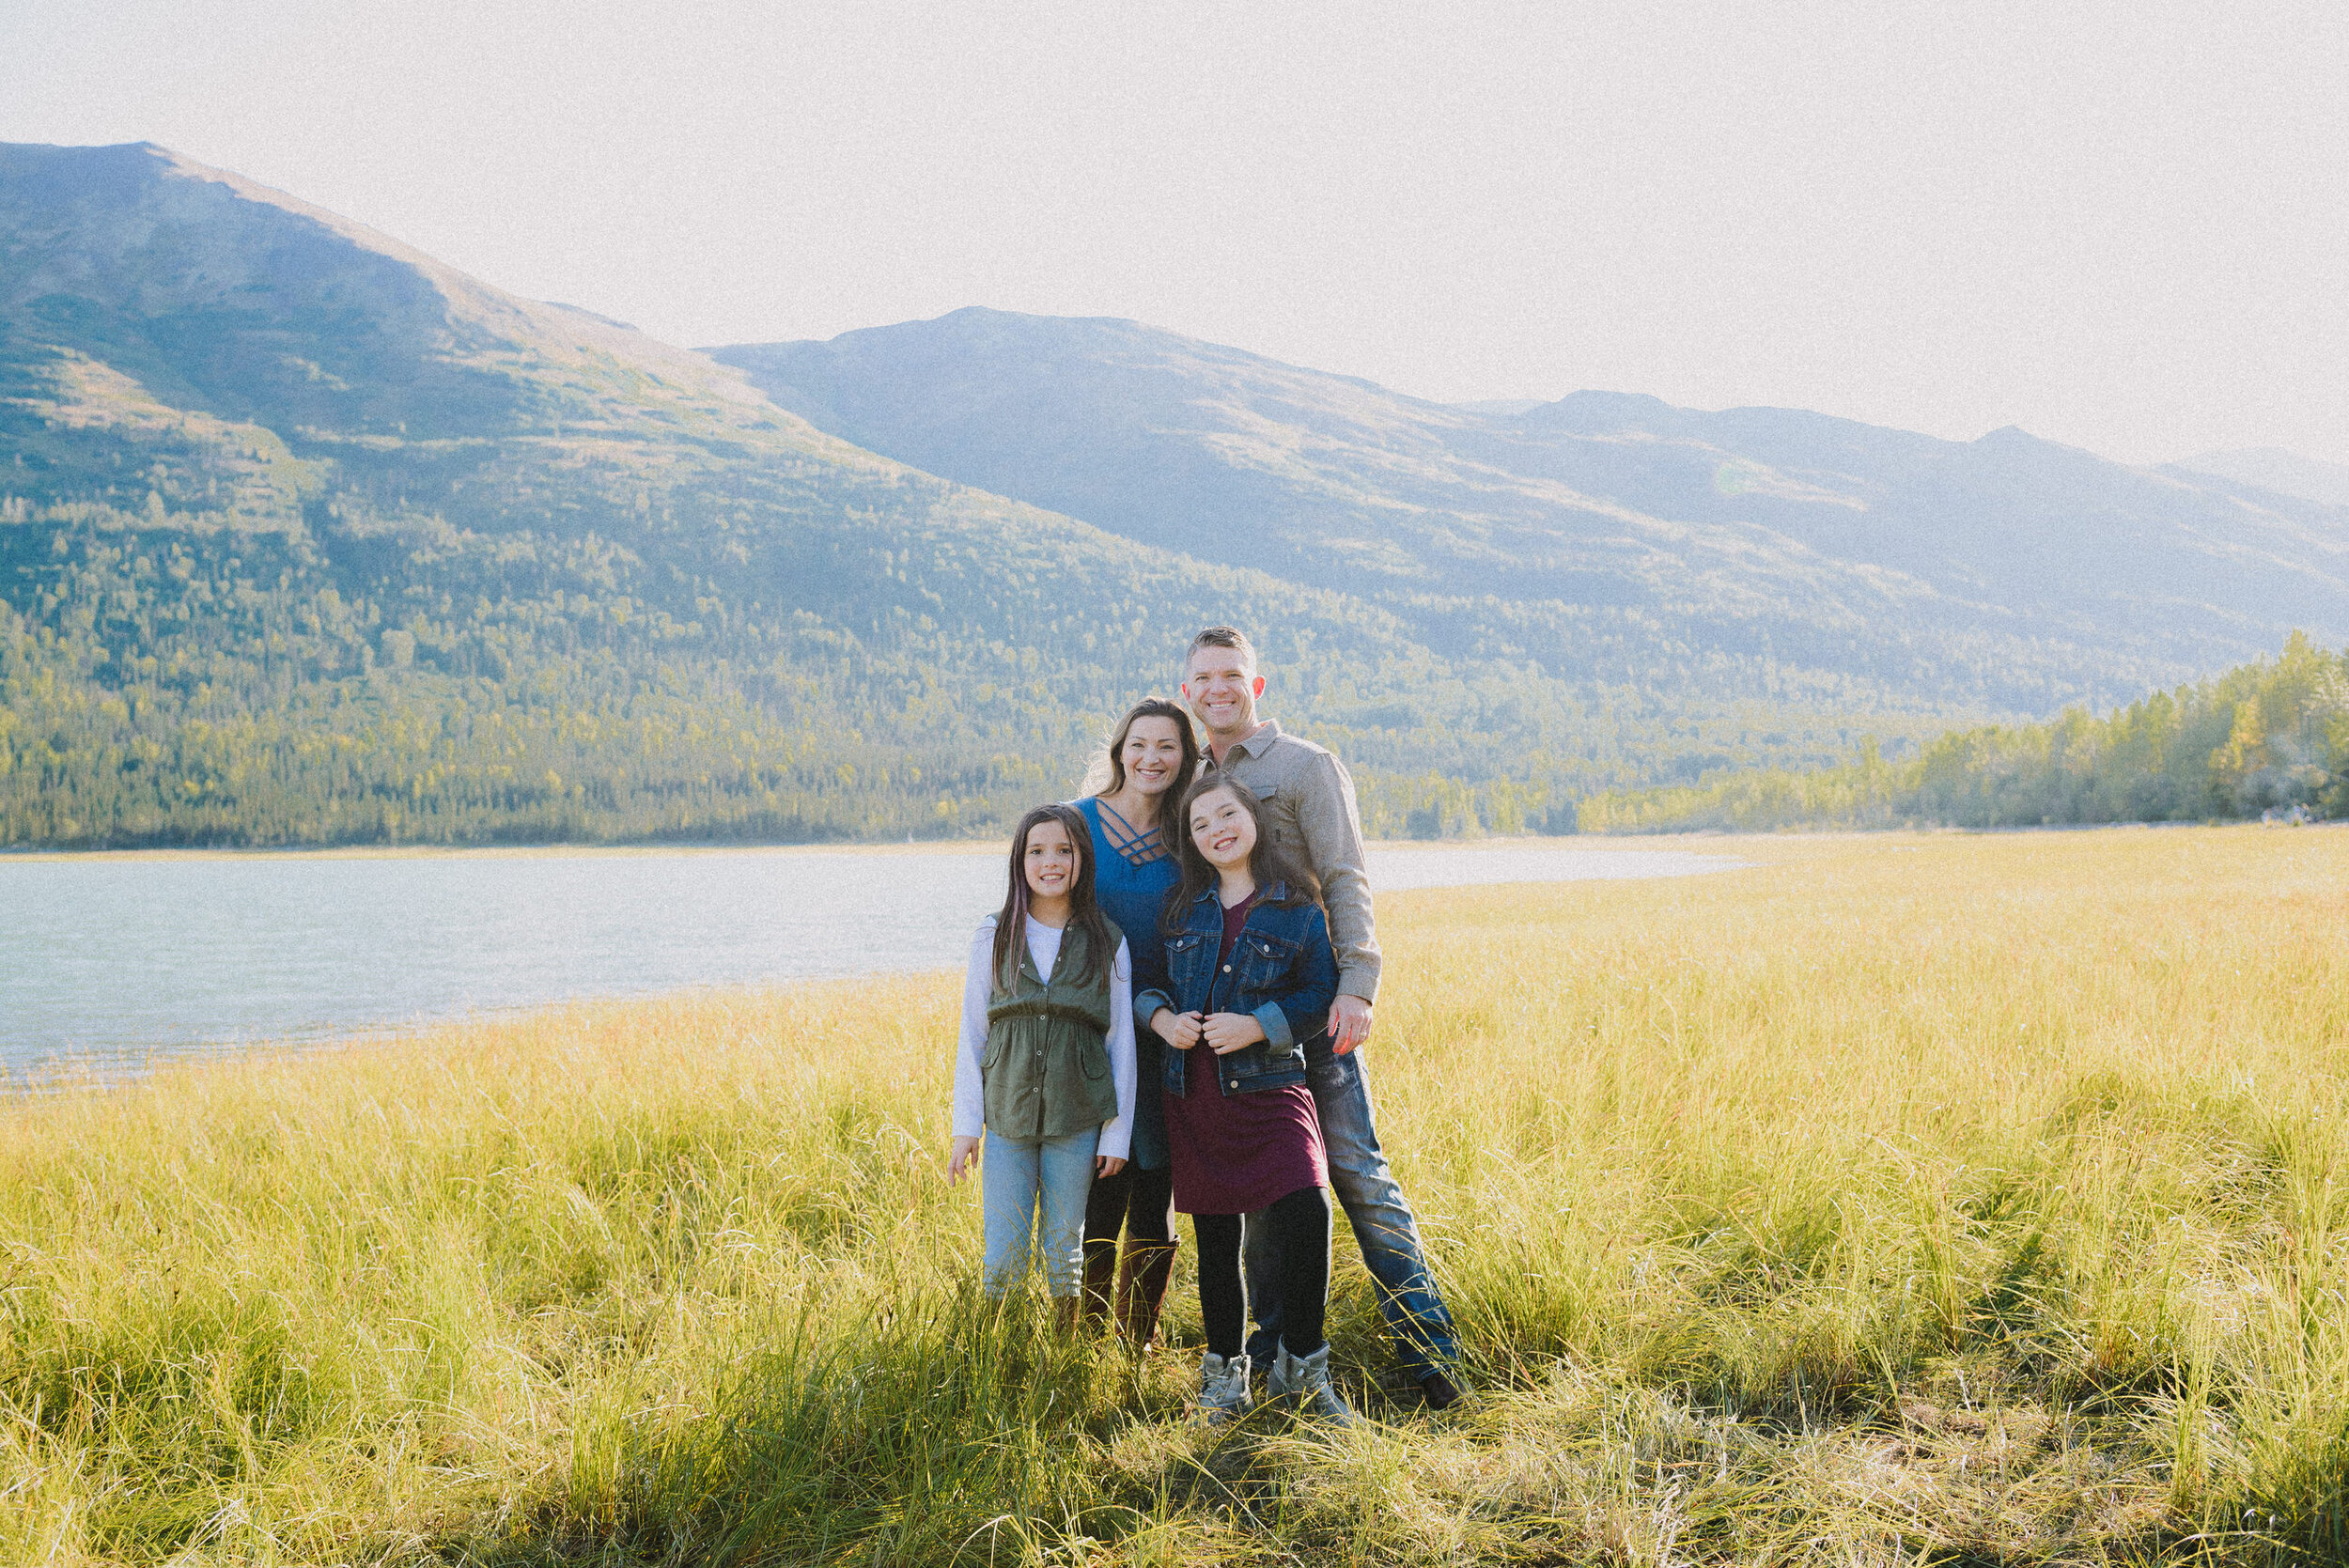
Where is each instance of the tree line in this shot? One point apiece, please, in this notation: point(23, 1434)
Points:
point(2269, 736)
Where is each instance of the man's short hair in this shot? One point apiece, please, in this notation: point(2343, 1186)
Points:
point(1220, 637)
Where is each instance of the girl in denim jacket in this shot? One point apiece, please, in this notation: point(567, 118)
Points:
point(1046, 1067)
point(1242, 977)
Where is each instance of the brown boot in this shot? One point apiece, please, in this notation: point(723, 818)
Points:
point(1144, 1268)
point(1100, 1268)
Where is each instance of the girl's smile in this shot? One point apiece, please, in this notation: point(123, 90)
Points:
point(1222, 829)
point(1050, 865)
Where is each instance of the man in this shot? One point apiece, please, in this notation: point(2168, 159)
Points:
point(1309, 807)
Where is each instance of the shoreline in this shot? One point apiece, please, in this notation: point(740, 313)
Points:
point(1588, 843)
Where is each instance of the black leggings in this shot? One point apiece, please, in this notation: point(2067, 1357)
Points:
point(1139, 1202)
point(1300, 1226)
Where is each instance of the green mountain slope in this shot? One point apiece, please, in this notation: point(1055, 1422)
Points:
point(306, 538)
point(1605, 535)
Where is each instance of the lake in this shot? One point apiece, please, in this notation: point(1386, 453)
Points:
point(110, 959)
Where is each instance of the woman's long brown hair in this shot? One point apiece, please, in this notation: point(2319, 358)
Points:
point(1154, 707)
point(1011, 926)
point(1268, 862)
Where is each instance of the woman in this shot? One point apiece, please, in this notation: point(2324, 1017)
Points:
point(1153, 756)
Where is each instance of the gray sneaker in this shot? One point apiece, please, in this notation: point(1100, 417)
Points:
point(1305, 1379)
point(1223, 1389)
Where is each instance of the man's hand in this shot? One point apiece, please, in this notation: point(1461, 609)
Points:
point(1179, 1029)
point(958, 1154)
point(1226, 1033)
point(1106, 1166)
point(1350, 1023)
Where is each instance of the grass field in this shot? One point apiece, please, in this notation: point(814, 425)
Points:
point(1895, 1199)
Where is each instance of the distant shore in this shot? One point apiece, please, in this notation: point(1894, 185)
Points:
point(922, 846)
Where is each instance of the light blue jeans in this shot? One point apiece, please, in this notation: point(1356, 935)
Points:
point(1037, 1184)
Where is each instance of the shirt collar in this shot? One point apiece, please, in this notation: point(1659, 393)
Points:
point(1267, 732)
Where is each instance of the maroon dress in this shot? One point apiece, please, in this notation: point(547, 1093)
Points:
point(1236, 1153)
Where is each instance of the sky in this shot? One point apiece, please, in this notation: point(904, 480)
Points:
point(2117, 226)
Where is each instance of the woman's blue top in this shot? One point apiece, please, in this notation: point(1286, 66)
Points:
point(1132, 873)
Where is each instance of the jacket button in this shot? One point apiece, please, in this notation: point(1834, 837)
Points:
point(1231, 1083)
point(1227, 969)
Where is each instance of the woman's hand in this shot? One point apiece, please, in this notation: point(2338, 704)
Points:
point(959, 1156)
point(1179, 1029)
point(1106, 1166)
point(1226, 1033)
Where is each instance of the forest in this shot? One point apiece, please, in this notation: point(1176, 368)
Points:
point(2267, 737)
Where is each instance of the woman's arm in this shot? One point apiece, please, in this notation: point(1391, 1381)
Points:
point(1152, 988)
point(1117, 1135)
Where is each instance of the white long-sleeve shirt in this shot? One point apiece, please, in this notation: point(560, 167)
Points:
point(1044, 946)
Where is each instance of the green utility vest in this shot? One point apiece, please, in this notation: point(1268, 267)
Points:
point(1047, 1067)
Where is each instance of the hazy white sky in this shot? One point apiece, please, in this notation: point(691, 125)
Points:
point(2120, 225)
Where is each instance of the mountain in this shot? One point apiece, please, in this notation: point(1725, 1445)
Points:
point(1609, 536)
point(2272, 468)
point(306, 537)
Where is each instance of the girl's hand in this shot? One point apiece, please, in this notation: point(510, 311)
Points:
point(1107, 1165)
point(1226, 1033)
point(958, 1154)
point(1179, 1029)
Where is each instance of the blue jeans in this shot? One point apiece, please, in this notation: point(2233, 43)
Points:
point(1040, 1183)
point(1382, 1221)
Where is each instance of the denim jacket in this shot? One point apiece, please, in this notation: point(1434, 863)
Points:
point(1282, 973)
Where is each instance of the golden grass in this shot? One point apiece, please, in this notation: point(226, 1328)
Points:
point(1898, 1198)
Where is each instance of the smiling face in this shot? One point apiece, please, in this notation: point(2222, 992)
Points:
point(1051, 863)
point(1222, 829)
point(1222, 686)
point(1153, 754)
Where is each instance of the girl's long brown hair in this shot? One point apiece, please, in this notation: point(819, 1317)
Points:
point(1268, 862)
point(1011, 926)
point(1154, 707)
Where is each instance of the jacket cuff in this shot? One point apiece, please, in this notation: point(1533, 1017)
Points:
point(1146, 1007)
point(1277, 1032)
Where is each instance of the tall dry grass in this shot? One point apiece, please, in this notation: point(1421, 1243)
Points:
point(1894, 1199)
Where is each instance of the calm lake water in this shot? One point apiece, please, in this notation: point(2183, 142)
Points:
point(111, 959)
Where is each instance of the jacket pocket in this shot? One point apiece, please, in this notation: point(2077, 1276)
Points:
point(1263, 961)
point(1188, 970)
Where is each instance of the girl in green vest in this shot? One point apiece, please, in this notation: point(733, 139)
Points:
point(1046, 1069)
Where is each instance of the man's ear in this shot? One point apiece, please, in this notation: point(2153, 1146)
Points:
point(1255, 687)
